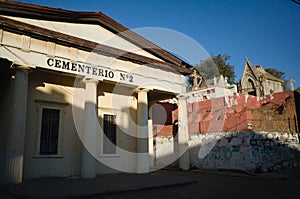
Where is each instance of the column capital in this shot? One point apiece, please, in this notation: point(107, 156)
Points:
point(182, 96)
point(142, 90)
point(86, 80)
point(27, 69)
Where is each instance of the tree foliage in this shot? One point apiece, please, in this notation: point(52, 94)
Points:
point(277, 73)
point(216, 66)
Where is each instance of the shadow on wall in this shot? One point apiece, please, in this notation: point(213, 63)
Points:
point(271, 145)
point(240, 150)
point(296, 118)
point(246, 150)
point(5, 98)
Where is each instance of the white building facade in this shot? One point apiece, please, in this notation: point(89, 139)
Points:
point(75, 91)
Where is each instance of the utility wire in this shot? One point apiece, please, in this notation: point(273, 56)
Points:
point(296, 1)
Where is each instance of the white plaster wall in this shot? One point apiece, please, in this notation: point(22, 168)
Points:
point(49, 87)
point(68, 163)
point(58, 87)
point(89, 32)
point(166, 151)
point(37, 56)
point(124, 107)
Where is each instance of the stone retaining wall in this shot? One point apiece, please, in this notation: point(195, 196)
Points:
point(246, 150)
point(260, 151)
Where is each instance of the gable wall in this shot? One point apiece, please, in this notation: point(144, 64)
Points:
point(89, 32)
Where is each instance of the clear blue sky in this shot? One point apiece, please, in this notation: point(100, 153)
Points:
point(265, 31)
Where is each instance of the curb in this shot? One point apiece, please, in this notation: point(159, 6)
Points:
point(12, 193)
point(129, 190)
point(247, 174)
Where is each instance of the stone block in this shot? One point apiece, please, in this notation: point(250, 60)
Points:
point(236, 142)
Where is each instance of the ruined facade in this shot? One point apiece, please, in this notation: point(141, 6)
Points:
point(256, 81)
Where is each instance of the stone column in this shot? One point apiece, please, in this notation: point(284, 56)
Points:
point(16, 138)
point(143, 161)
point(88, 162)
point(183, 135)
point(257, 90)
point(150, 140)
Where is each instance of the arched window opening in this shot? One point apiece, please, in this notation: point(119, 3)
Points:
point(251, 88)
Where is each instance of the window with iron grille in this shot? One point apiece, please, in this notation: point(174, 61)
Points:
point(110, 134)
point(49, 131)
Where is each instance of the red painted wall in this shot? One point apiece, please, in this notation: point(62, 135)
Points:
point(213, 116)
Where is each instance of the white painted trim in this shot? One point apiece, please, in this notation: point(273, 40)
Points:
point(100, 148)
point(41, 104)
point(39, 53)
point(1, 36)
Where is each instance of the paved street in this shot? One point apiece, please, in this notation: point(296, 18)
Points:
point(227, 185)
point(164, 184)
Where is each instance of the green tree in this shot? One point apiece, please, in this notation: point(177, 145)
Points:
point(216, 66)
point(277, 73)
point(298, 89)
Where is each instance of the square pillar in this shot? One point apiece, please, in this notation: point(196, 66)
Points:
point(143, 160)
point(88, 162)
point(150, 140)
point(183, 134)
